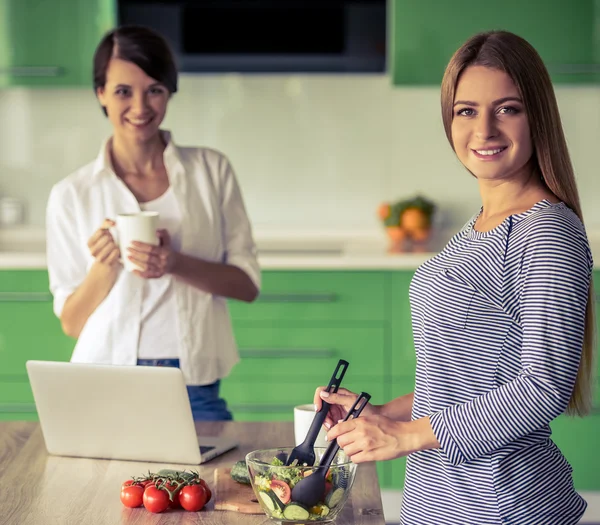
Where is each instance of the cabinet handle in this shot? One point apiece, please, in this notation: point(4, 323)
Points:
point(287, 352)
point(33, 71)
point(297, 297)
point(14, 408)
point(263, 408)
point(25, 297)
point(574, 69)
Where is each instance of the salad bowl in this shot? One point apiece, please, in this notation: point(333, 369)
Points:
point(273, 481)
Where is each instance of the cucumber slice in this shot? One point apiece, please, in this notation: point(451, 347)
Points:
point(295, 511)
point(271, 501)
point(334, 497)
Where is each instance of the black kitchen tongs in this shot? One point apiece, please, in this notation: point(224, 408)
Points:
point(305, 451)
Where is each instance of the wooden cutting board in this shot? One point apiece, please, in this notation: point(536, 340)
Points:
point(231, 495)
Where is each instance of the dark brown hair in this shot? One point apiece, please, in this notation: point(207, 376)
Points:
point(143, 47)
point(513, 55)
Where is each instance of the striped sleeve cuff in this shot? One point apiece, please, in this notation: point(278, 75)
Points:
point(447, 443)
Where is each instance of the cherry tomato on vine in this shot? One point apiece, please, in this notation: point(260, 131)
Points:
point(132, 496)
point(193, 497)
point(207, 489)
point(156, 500)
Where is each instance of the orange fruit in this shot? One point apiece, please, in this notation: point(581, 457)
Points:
point(395, 233)
point(420, 235)
point(384, 211)
point(413, 219)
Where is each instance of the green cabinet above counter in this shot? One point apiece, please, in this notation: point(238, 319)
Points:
point(48, 43)
point(425, 34)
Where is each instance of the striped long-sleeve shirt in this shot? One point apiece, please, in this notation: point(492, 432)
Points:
point(498, 323)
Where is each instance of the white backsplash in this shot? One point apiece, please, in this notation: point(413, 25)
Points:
point(310, 151)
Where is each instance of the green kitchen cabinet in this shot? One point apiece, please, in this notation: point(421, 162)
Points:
point(403, 360)
point(28, 330)
point(318, 297)
point(576, 439)
point(296, 352)
point(292, 337)
point(424, 34)
point(51, 42)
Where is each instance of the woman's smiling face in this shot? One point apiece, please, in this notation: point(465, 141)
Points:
point(490, 129)
point(136, 103)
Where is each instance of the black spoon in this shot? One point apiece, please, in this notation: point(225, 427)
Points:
point(310, 490)
point(305, 451)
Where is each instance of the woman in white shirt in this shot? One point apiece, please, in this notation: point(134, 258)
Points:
point(173, 311)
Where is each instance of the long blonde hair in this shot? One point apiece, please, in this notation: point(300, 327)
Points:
point(512, 54)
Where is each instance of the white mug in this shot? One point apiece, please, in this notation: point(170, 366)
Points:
point(303, 418)
point(140, 226)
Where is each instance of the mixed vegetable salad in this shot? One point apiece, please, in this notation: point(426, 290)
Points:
point(274, 489)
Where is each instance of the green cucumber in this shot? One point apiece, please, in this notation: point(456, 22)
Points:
point(271, 501)
point(295, 511)
point(170, 473)
point(334, 497)
point(239, 473)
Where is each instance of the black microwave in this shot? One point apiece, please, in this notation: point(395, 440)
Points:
point(267, 36)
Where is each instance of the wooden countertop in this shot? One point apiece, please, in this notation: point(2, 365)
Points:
point(36, 488)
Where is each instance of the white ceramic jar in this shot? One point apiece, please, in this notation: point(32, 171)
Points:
point(11, 211)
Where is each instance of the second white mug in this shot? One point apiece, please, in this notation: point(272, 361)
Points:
point(140, 226)
point(303, 418)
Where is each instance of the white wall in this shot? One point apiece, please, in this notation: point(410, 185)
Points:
point(310, 151)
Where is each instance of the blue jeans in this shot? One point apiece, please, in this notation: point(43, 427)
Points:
point(204, 399)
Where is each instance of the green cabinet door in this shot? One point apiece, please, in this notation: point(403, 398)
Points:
point(281, 351)
point(577, 439)
point(28, 330)
point(425, 34)
point(403, 361)
point(51, 42)
point(321, 296)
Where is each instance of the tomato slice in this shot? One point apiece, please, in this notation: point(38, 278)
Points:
point(282, 490)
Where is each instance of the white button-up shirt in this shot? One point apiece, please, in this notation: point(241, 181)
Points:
point(215, 227)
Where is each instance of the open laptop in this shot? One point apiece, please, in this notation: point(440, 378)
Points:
point(139, 413)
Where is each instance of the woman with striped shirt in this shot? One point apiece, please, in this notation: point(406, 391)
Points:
point(502, 317)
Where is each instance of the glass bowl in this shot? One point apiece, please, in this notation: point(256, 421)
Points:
point(272, 483)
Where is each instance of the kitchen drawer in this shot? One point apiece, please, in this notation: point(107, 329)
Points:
point(318, 296)
point(29, 330)
point(309, 353)
point(18, 416)
point(265, 399)
point(16, 394)
point(403, 361)
point(577, 438)
point(24, 285)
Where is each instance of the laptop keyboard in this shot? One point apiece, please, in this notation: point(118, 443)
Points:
point(204, 449)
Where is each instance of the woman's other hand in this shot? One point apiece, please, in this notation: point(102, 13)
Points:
point(341, 402)
point(102, 246)
point(153, 261)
